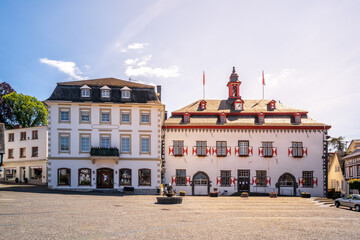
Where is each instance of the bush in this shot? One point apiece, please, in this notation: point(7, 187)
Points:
point(354, 184)
point(182, 193)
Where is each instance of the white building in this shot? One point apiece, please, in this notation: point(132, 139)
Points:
point(236, 145)
point(25, 158)
point(105, 133)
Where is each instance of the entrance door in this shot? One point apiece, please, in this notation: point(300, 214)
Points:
point(243, 180)
point(201, 184)
point(287, 185)
point(105, 178)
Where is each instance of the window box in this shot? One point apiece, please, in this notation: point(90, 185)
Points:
point(244, 195)
point(104, 151)
point(273, 195)
point(182, 193)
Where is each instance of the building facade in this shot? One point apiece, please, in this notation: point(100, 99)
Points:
point(25, 158)
point(336, 178)
point(105, 134)
point(352, 164)
point(236, 145)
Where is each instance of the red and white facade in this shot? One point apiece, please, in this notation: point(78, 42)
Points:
point(236, 145)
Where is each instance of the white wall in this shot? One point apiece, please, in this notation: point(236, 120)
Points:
point(274, 166)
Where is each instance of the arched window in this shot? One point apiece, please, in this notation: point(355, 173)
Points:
point(144, 177)
point(125, 177)
point(84, 176)
point(64, 177)
point(286, 181)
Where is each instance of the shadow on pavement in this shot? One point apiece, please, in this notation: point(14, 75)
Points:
point(5, 187)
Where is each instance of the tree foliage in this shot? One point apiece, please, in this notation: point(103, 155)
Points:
point(354, 184)
point(337, 143)
point(6, 114)
point(27, 110)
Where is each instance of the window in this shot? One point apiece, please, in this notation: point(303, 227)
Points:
point(125, 176)
point(11, 153)
point(64, 141)
point(337, 168)
point(22, 136)
point(125, 143)
point(125, 94)
point(64, 177)
point(178, 148)
point(351, 171)
point(35, 152)
point(297, 118)
point(307, 178)
point(105, 141)
point(200, 179)
point(35, 134)
point(144, 117)
point(201, 148)
point(267, 149)
point(85, 176)
point(11, 137)
point(221, 148)
point(85, 93)
point(358, 170)
point(125, 117)
point(105, 116)
point(225, 178)
point(261, 178)
point(261, 118)
point(243, 148)
point(22, 152)
point(64, 115)
point(105, 93)
point(84, 143)
point(180, 177)
point(36, 173)
point(84, 115)
point(145, 144)
point(222, 118)
point(144, 177)
point(297, 148)
point(187, 118)
point(10, 174)
point(286, 181)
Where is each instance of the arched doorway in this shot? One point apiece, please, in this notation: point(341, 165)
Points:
point(201, 184)
point(105, 178)
point(287, 185)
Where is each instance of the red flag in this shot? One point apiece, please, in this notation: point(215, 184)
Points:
point(204, 78)
point(263, 78)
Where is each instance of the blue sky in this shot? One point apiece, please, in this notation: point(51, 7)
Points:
point(309, 50)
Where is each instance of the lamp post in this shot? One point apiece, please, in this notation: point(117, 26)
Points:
point(325, 162)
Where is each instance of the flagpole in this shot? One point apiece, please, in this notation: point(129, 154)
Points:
point(263, 83)
point(204, 85)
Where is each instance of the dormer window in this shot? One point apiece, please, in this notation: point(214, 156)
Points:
point(85, 91)
point(222, 118)
point(105, 92)
point(272, 105)
point(261, 118)
point(203, 105)
point(297, 118)
point(238, 105)
point(125, 93)
point(186, 118)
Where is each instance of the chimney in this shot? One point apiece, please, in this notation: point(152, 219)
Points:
point(158, 90)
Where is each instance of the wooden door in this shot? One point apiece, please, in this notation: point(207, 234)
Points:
point(243, 180)
point(105, 178)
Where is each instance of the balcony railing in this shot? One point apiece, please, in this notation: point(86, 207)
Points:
point(104, 151)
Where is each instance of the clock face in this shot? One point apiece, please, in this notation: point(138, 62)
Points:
point(238, 106)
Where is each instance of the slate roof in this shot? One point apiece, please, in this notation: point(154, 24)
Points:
point(70, 91)
point(355, 153)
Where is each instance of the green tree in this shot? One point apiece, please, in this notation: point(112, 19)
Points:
point(27, 110)
point(6, 114)
point(354, 184)
point(337, 143)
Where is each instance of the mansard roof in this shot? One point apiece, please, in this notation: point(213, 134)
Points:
point(70, 91)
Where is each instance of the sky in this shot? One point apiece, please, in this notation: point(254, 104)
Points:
point(309, 50)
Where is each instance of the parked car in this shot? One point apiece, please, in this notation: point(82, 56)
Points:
point(351, 201)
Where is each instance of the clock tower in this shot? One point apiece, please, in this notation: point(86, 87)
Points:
point(234, 92)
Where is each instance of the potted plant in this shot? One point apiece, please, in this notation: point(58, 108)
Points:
point(305, 195)
point(182, 193)
point(214, 194)
point(244, 194)
point(273, 195)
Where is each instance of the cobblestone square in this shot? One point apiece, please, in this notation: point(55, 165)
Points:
point(37, 213)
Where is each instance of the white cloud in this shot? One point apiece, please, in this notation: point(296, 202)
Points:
point(137, 45)
point(120, 47)
point(172, 71)
point(144, 60)
point(68, 68)
point(130, 61)
point(284, 75)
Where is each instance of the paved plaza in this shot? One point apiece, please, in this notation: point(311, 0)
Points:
point(37, 213)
